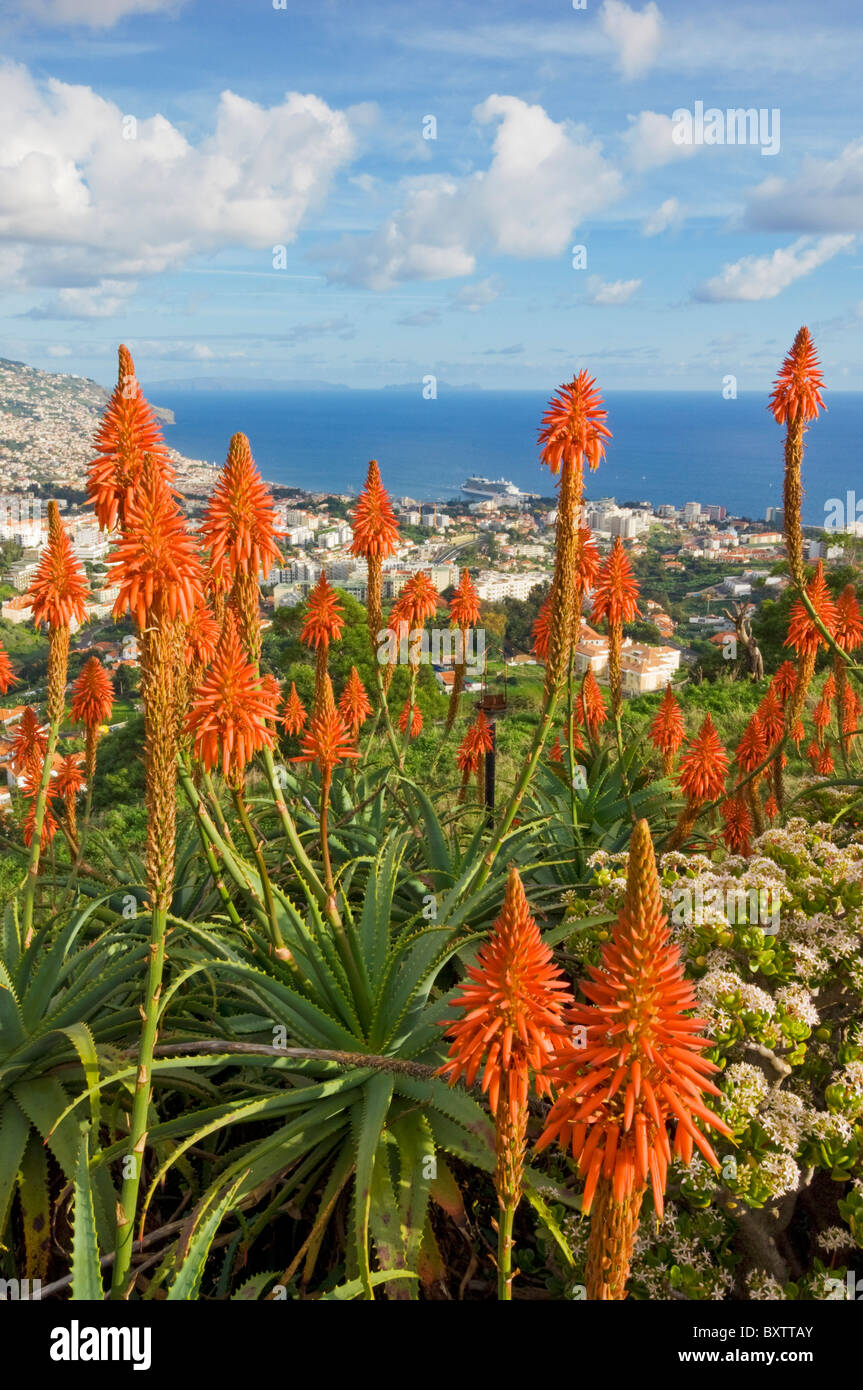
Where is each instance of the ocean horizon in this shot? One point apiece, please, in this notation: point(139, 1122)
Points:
point(667, 447)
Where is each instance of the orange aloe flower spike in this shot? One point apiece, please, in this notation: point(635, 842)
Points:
point(328, 740)
point(464, 606)
point(375, 527)
point(232, 709)
point(58, 593)
point(155, 561)
point(573, 426)
point(239, 526)
point(293, 712)
point(354, 704)
point(797, 389)
point(632, 1064)
point(324, 616)
point(703, 766)
point(127, 434)
point(92, 694)
point(7, 675)
point(667, 730)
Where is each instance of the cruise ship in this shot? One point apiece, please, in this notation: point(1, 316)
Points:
point(491, 487)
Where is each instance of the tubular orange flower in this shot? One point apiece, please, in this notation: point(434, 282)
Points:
point(58, 593)
point(328, 739)
point(573, 426)
point(28, 744)
point(202, 636)
point(464, 606)
point(324, 616)
point(69, 782)
point(354, 705)
point(70, 777)
point(632, 1069)
point(511, 1014)
point(541, 631)
point(803, 635)
point(92, 694)
point(127, 434)
point(667, 730)
point(771, 809)
point(411, 714)
point(851, 716)
point(418, 601)
point(587, 561)
point(738, 826)
point(476, 742)
point(798, 733)
point(464, 614)
point(770, 717)
point(49, 821)
point(784, 681)
point(590, 708)
point(821, 716)
point(293, 712)
point(239, 525)
point(375, 527)
point(848, 623)
point(797, 389)
point(555, 754)
point(154, 562)
point(375, 537)
point(616, 593)
point(7, 675)
point(615, 598)
point(232, 710)
point(703, 766)
point(796, 400)
point(825, 766)
point(752, 748)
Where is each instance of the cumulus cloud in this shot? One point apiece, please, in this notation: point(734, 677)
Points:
point(88, 196)
point(103, 301)
point(544, 178)
point(94, 14)
point(610, 291)
point(475, 297)
point(764, 277)
point(826, 196)
point(668, 214)
point(649, 142)
point(635, 34)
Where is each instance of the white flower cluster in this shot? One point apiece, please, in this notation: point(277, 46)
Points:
point(760, 1285)
point(836, 1238)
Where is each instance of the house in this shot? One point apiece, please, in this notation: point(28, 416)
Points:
point(644, 667)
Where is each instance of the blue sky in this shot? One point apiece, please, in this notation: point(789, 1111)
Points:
point(153, 153)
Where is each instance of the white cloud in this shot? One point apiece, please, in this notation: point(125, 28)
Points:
point(103, 301)
point(764, 277)
point(79, 203)
point(649, 141)
point(544, 178)
point(94, 14)
point(826, 196)
point(668, 214)
point(601, 291)
point(475, 297)
point(635, 34)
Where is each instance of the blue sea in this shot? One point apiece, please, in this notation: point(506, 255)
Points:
point(667, 447)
